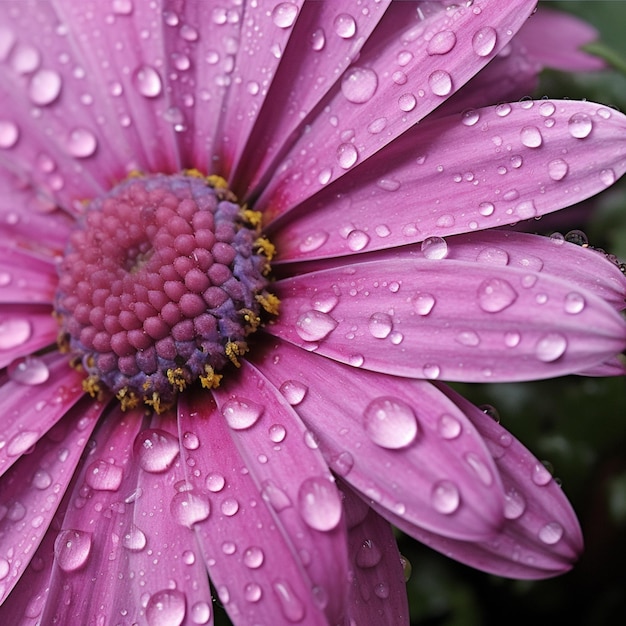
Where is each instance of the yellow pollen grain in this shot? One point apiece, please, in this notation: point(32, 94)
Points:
point(217, 182)
point(254, 218)
point(269, 302)
point(177, 378)
point(91, 385)
point(210, 380)
point(235, 350)
point(194, 173)
point(252, 320)
point(265, 247)
point(128, 399)
point(155, 402)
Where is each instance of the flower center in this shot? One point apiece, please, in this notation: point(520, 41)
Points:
point(162, 281)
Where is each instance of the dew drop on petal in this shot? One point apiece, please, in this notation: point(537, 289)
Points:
point(550, 347)
point(156, 450)
point(423, 303)
point(445, 497)
point(557, 169)
point(434, 248)
point(607, 177)
point(449, 427)
point(342, 464)
point(104, 476)
point(253, 557)
point(72, 549)
point(134, 539)
point(21, 442)
point(81, 143)
point(368, 554)
point(284, 14)
point(293, 391)
point(359, 84)
point(241, 414)
point(574, 303)
point(188, 508)
point(347, 155)
point(531, 137)
point(484, 41)
point(470, 118)
point(407, 102)
point(482, 471)
point(44, 87)
point(431, 371)
point(315, 325)
point(514, 504)
point(512, 339)
point(493, 256)
point(319, 503)
point(166, 608)
point(148, 81)
point(357, 240)
point(442, 42)
point(551, 533)
point(380, 325)
point(122, 7)
point(345, 25)
point(579, 125)
point(540, 475)
point(200, 613)
point(502, 110)
point(252, 592)
point(318, 40)
point(9, 134)
point(440, 83)
point(215, 482)
point(390, 423)
point(313, 241)
point(290, 605)
point(28, 371)
point(495, 295)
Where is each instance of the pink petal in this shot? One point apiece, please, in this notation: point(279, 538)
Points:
point(297, 489)
point(399, 442)
point(497, 166)
point(25, 279)
point(325, 39)
point(31, 490)
point(450, 320)
point(346, 132)
point(122, 536)
point(542, 536)
point(34, 408)
point(378, 593)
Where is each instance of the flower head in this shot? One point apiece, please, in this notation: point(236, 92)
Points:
point(235, 271)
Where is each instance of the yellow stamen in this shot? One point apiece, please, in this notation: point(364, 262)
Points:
point(177, 378)
point(194, 173)
point(91, 386)
point(265, 247)
point(210, 380)
point(217, 182)
point(252, 320)
point(234, 350)
point(254, 218)
point(269, 302)
point(155, 402)
point(127, 398)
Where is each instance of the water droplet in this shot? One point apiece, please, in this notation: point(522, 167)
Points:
point(482, 471)
point(215, 482)
point(442, 42)
point(294, 393)
point(252, 592)
point(148, 81)
point(557, 169)
point(347, 155)
point(525, 210)
point(359, 84)
point(423, 303)
point(240, 413)
point(495, 295)
point(514, 504)
point(72, 549)
point(470, 118)
point(551, 533)
point(104, 476)
point(502, 110)
point(486, 209)
point(156, 450)
point(431, 371)
point(345, 25)
point(390, 423)
point(540, 475)
point(531, 136)
point(493, 256)
point(81, 143)
point(318, 40)
point(550, 347)
point(448, 426)
point(290, 605)
point(342, 464)
point(253, 557)
point(313, 241)
point(357, 240)
point(21, 442)
point(574, 303)
point(607, 176)
point(468, 338)
point(166, 608)
point(44, 87)
point(190, 441)
point(440, 83)
point(380, 325)
point(201, 613)
point(275, 496)
point(189, 509)
point(546, 109)
point(41, 479)
point(511, 339)
point(229, 507)
point(434, 248)
point(9, 134)
point(284, 14)
point(28, 371)
point(445, 497)
point(407, 102)
point(579, 125)
point(319, 503)
point(315, 325)
point(122, 7)
point(134, 539)
point(484, 41)
point(368, 554)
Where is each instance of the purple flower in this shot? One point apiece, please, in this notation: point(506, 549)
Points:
point(234, 272)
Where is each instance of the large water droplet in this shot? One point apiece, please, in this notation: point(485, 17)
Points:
point(148, 81)
point(550, 347)
point(434, 248)
point(368, 554)
point(445, 497)
point(495, 295)
point(345, 25)
point(540, 475)
point(551, 533)
point(134, 539)
point(442, 42)
point(449, 427)
point(557, 169)
point(423, 303)
point(319, 503)
point(380, 325)
point(156, 450)
point(189, 509)
point(28, 371)
point(201, 613)
point(290, 605)
point(357, 240)
point(514, 504)
point(122, 7)
point(294, 392)
point(284, 14)
point(359, 84)
point(607, 177)
point(440, 83)
point(9, 134)
point(104, 476)
point(241, 413)
point(390, 423)
point(81, 143)
point(315, 325)
point(166, 608)
point(484, 41)
point(253, 557)
point(574, 303)
point(72, 549)
point(579, 125)
point(313, 241)
point(347, 155)
point(531, 136)
point(407, 102)
point(44, 87)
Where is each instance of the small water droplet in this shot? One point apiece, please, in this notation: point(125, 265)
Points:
point(550, 347)
point(357, 240)
point(468, 338)
point(482, 471)
point(21, 442)
point(440, 83)
point(313, 241)
point(240, 413)
point(359, 84)
point(252, 592)
point(72, 549)
point(318, 40)
point(81, 143)
point(431, 371)
point(215, 482)
point(470, 118)
point(229, 507)
point(531, 136)
point(557, 169)
point(493, 256)
point(44, 87)
point(445, 497)
point(347, 155)
point(284, 14)
point(441, 43)
point(511, 339)
point(607, 176)
point(201, 613)
point(390, 423)
point(253, 557)
point(495, 295)
point(148, 81)
point(9, 134)
point(514, 504)
point(380, 325)
point(579, 125)
point(449, 427)
point(28, 371)
point(342, 464)
point(546, 109)
point(345, 25)
point(423, 303)
point(407, 102)
point(315, 325)
point(551, 533)
point(134, 539)
point(502, 110)
point(156, 450)
point(166, 608)
point(434, 248)
point(122, 7)
point(188, 508)
point(368, 554)
point(190, 441)
point(540, 475)
point(484, 41)
point(104, 476)
point(574, 303)
point(290, 605)
point(319, 503)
